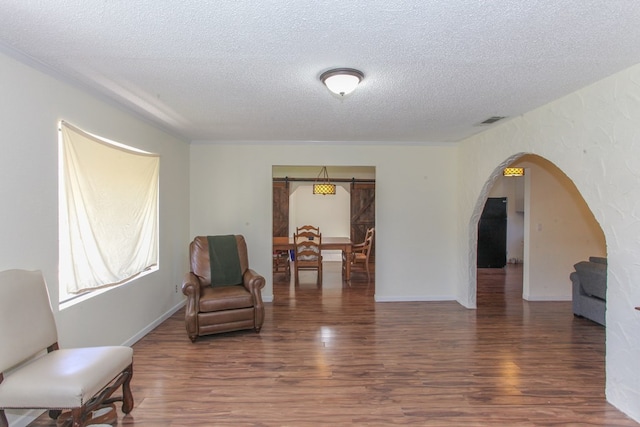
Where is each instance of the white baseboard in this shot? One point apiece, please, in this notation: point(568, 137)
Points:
point(548, 298)
point(137, 337)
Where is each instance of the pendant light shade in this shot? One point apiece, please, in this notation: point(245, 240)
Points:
point(322, 185)
point(513, 172)
point(342, 81)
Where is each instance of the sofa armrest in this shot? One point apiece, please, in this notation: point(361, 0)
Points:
point(575, 282)
point(593, 278)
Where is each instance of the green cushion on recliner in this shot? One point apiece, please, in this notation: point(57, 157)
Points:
point(224, 260)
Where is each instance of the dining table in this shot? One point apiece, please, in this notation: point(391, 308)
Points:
point(329, 243)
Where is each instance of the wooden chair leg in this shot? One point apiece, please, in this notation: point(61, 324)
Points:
point(77, 417)
point(127, 396)
point(104, 414)
point(99, 403)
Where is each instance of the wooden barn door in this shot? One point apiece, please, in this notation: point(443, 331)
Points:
point(280, 208)
point(363, 210)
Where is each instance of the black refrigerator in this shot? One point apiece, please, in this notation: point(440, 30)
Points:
point(492, 234)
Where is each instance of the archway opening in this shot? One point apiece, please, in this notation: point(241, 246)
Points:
point(347, 214)
point(558, 228)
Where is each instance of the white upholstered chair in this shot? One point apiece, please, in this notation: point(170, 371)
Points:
point(36, 374)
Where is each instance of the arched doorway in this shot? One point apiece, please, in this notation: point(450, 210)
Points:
point(559, 228)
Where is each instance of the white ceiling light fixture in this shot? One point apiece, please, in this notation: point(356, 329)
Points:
point(342, 81)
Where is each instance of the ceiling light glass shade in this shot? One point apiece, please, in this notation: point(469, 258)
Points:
point(513, 172)
point(342, 81)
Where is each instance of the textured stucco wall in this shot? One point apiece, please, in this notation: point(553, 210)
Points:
point(593, 136)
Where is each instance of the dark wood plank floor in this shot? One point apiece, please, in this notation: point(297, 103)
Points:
point(331, 356)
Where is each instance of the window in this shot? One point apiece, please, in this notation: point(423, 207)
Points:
point(108, 212)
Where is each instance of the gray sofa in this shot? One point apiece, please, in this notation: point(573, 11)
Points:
point(589, 283)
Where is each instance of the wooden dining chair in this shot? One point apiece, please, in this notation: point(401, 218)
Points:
point(307, 254)
point(281, 263)
point(360, 256)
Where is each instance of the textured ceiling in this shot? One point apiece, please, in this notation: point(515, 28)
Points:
point(248, 70)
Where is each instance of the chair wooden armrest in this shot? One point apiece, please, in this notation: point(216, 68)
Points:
point(360, 253)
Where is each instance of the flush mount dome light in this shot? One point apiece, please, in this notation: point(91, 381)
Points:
point(342, 81)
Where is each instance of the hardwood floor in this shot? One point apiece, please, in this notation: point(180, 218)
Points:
point(331, 356)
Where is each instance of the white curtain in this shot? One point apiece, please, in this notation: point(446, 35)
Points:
point(109, 211)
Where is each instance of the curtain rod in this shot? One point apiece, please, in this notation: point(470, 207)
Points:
point(287, 179)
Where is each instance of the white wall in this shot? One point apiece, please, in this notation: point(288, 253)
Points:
point(508, 187)
point(330, 213)
point(415, 199)
point(31, 105)
point(560, 229)
point(592, 136)
point(334, 172)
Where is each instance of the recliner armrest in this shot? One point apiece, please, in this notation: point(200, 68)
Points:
point(191, 288)
point(252, 281)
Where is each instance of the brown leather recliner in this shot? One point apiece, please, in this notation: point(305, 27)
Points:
point(211, 310)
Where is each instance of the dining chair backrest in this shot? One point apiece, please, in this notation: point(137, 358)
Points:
point(368, 242)
point(307, 240)
point(367, 238)
point(308, 228)
point(308, 254)
point(369, 234)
